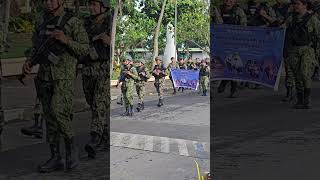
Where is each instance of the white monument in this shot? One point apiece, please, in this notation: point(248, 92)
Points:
point(170, 49)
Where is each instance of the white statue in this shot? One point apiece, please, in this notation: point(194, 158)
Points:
point(170, 49)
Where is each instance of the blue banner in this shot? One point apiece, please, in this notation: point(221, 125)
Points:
point(185, 78)
point(252, 54)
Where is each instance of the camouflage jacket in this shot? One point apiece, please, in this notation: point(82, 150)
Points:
point(78, 46)
point(129, 80)
point(99, 66)
point(234, 16)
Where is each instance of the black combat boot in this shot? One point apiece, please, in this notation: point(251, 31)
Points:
point(289, 95)
point(160, 103)
point(72, 154)
point(35, 129)
point(204, 93)
point(139, 107)
point(131, 110)
point(233, 89)
point(174, 91)
point(142, 106)
point(120, 102)
point(105, 139)
point(55, 162)
point(222, 86)
point(306, 102)
point(126, 113)
point(182, 89)
point(299, 104)
point(93, 144)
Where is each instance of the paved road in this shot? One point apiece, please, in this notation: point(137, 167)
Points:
point(257, 137)
point(156, 144)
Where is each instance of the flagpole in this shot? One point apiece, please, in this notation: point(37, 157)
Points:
point(175, 28)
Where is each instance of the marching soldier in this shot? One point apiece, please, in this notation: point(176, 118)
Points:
point(204, 77)
point(128, 76)
point(159, 73)
point(58, 40)
point(96, 72)
point(229, 13)
point(260, 13)
point(190, 64)
point(120, 102)
point(143, 76)
point(182, 65)
point(303, 28)
point(172, 65)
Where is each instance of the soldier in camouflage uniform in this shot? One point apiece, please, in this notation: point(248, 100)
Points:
point(182, 65)
point(172, 65)
point(159, 73)
point(204, 77)
point(96, 73)
point(230, 13)
point(143, 76)
point(259, 13)
point(58, 40)
point(128, 76)
point(190, 64)
point(302, 29)
point(281, 9)
point(1, 51)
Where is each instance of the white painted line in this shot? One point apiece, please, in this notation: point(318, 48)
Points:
point(182, 145)
point(148, 143)
point(165, 145)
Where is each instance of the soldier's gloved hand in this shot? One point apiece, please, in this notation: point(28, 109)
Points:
point(27, 67)
point(60, 36)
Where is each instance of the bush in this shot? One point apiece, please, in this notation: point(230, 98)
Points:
point(23, 23)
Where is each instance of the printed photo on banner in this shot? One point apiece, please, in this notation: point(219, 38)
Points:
point(185, 78)
point(252, 54)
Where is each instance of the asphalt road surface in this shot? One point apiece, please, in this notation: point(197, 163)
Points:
point(258, 137)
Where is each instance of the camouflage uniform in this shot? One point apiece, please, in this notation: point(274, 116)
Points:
point(143, 76)
point(96, 81)
point(128, 86)
point(172, 66)
point(159, 80)
point(204, 78)
point(96, 75)
point(1, 51)
point(234, 16)
point(56, 85)
point(253, 16)
point(301, 32)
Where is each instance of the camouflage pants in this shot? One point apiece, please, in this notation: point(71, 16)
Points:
point(127, 92)
point(140, 87)
point(97, 93)
point(159, 84)
point(301, 63)
point(204, 83)
point(56, 98)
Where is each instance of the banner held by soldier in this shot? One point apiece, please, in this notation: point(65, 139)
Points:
point(185, 78)
point(251, 54)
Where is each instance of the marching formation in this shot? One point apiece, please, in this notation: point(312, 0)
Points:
point(61, 41)
point(301, 50)
point(136, 74)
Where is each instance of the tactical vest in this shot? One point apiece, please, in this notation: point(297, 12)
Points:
point(229, 17)
point(48, 49)
point(203, 72)
point(297, 32)
point(93, 29)
point(254, 18)
point(161, 68)
point(141, 70)
point(182, 66)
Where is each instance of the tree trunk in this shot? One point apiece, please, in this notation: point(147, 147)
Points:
point(77, 6)
point(6, 21)
point(113, 32)
point(157, 32)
